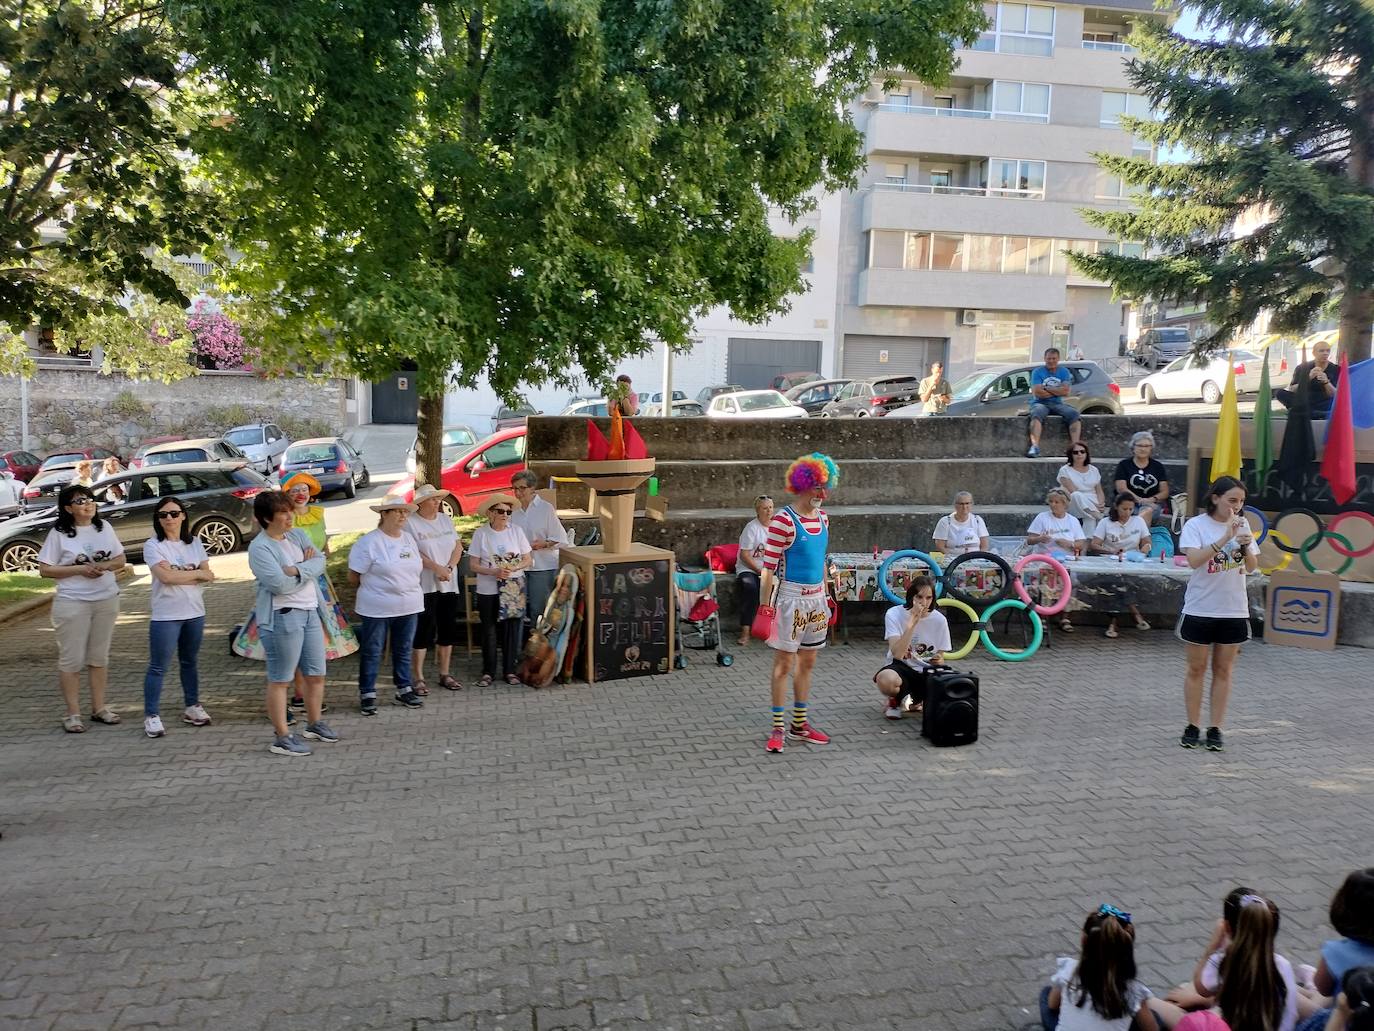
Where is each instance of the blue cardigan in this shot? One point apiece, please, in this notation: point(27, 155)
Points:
point(265, 560)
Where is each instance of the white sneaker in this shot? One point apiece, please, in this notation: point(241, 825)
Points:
point(893, 712)
point(152, 726)
point(196, 716)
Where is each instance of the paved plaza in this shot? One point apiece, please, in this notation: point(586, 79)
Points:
point(627, 856)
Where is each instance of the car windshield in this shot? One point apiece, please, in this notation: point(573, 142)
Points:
point(761, 402)
point(243, 438)
point(180, 455)
point(310, 453)
point(72, 459)
point(1173, 336)
point(462, 437)
point(972, 386)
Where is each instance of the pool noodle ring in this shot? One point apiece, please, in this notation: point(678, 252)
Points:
point(973, 634)
point(1340, 518)
point(1285, 556)
point(936, 573)
point(1024, 596)
point(1287, 547)
point(1316, 540)
point(1037, 630)
point(1264, 523)
point(1003, 593)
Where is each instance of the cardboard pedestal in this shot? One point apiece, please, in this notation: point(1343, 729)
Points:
point(630, 625)
point(1302, 610)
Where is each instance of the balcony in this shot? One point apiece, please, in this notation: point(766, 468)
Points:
point(1107, 46)
point(961, 191)
point(965, 112)
point(908, 288)
point(973, 210)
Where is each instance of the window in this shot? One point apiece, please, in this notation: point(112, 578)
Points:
point(177, 457)
point(947, 252)
point(306, 453)
point(1006, 342)
point(505, 452)
point(984, 253)
point(1115, 104)
point(1018, 29)
point(1039, 256)
point(886, 248)
point(894, 173)
point(1008, 177)
point(918, 250)
point(899, 97)
point(1112, 187)
point(943, 103)
point(1014, 255)
point(940, 180)
point(1061, 260)
point(1021, 101)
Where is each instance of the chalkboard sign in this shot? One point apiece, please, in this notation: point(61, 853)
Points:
point(632, 618)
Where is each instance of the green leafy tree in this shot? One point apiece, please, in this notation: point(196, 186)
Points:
point(94, 183)
point(520, 190)
point(1273, 210)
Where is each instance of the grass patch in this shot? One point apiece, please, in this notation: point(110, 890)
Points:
point(17, 587)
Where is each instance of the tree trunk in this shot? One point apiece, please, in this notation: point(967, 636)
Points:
point(429, 427)
point(1357, 307)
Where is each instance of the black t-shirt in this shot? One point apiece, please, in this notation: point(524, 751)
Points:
point(1143, 483)
point(1316, 392)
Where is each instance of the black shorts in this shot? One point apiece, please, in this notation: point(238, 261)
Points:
point(439, 621)
point(1213, 629)
point(913, 680)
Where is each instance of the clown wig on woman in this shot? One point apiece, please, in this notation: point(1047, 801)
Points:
point(796, 621)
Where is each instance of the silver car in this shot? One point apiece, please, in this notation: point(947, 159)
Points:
point(1197, 376)
point(262, 442)
point(1005, 390)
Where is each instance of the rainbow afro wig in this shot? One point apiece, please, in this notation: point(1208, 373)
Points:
point(811, 471)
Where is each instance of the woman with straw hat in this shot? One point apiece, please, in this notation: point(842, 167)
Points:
point(385, 566)
point(500, 553)
point(440, 550)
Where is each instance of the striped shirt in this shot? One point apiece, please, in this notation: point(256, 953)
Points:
point(781, 534)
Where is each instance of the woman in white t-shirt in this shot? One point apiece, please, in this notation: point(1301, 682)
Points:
point(1221, 552)
point(385, 565)
point(1057, 531)
point(1121, 532)
point(499, 555)
point(962, 530)
point(179, 569)
point(917, 638)
point(1083, 481)
point(82, 554)
point(749, 564)
point(440, 550)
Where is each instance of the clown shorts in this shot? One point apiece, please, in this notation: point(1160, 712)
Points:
point(803, 617)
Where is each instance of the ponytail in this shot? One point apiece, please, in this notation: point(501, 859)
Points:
point(1252, 994)
point(1107, 964)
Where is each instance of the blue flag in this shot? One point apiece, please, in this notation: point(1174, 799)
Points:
point(1360, 380)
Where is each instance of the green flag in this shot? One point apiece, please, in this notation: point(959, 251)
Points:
point(1264, 431)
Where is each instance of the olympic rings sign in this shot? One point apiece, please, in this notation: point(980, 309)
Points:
point(1340, 543)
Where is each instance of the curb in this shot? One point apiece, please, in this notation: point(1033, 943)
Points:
point(23, 608)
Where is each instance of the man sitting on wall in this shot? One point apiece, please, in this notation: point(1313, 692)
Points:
point(1050, 388)
point(1322, 377)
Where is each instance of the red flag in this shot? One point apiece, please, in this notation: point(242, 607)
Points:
point(598, 447)
point(634, 443)
point(1338, 459)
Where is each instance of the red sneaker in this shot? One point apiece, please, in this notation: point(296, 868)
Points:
point(811, 735)
point(774, 741)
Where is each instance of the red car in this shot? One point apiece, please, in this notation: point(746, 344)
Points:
point(476, 472)
point(22, 464)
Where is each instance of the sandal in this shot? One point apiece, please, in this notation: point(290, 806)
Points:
point(486, 681)
point(1066, 626)
point(1140, 624)
point(1110, 632)
point(448, 682)
point(512, 679)
point(107, 716)
point(420, 687)
point(72, 724)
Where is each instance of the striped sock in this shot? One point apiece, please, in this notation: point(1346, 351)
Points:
point(778, 721)
point(798, 715)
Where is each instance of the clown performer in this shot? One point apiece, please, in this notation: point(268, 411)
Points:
point(796, 621)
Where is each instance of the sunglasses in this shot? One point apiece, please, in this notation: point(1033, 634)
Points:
point(171, 513)
point(82, 501)
point(1079, 451)
point(501, 511)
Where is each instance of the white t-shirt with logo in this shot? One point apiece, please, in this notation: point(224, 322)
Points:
point(390, 571)
point(960, 537)
point(490, 548)
point(176, 601)
point(436, 539)
point(1216, 589)
point(88, 546)
point(930, 636)
point(1085, 480)
point(752, 541)
point(1066, 527)
point(306, 596)
point(1112, 533)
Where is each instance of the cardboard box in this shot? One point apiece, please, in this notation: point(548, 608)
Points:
point(1302, 610)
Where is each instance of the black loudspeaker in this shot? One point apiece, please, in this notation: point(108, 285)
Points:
point(950, 715)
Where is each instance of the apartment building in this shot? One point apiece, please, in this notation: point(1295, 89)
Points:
point(953, 246)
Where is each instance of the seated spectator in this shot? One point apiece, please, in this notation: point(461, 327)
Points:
point(1321, 377)
point(1098, 990)
point(1050, 389)
point(1081, 479)
point(1352, 915)
point(85, 474)
point(1119, 533)
point(1353, 1008)
point(961, 531)
point(750, 563)
point(1056, 530)
point(1143, 477)
point(919, 633)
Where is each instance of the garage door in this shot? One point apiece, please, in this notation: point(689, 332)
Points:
point(753, 362)
point(896, 356)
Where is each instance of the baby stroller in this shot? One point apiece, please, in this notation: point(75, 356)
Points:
point(698, 616)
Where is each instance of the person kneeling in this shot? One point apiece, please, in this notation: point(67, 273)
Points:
point(919, 633)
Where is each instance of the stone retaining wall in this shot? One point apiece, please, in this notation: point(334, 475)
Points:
point(82, 407)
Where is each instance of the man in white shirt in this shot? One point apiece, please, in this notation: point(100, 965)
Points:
point(539, 521)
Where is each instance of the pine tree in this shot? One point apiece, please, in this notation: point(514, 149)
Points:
point(1273, 210)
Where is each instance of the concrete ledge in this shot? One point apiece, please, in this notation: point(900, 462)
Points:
point(23, 608)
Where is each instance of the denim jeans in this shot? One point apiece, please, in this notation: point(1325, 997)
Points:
point(165, 636)
point(295, 640)
point(372, 638)
point(1049, 1019)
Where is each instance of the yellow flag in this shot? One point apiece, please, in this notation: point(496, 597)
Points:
point(1226, 453)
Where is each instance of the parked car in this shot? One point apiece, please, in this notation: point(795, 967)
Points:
point(1005, 390)
point(815, 394)
point(331, 460)
point(136, 462)
point(262, 442)
point(591, 409)
point(218, 498)
point(753, 404)
point(1195, 376)
point(197, 449)
point(451, 437)
point(11, 496)
point(1161, 345)
point(705, 394)
point(678, 395)
point(44, 488)
point(782, 384)
point(681, 409)
point(477, 473)
point(89, 454)
point(22, 465)
point(862, 398)
point(505, 417)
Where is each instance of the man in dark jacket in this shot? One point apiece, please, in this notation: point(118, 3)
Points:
point(1322, 377)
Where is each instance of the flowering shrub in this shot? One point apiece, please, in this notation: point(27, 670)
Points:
point(217, 342)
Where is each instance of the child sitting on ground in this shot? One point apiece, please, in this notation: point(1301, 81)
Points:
point(1098, 991)
point(1354, 1006)
point(1352, 915)
point(919, 633)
